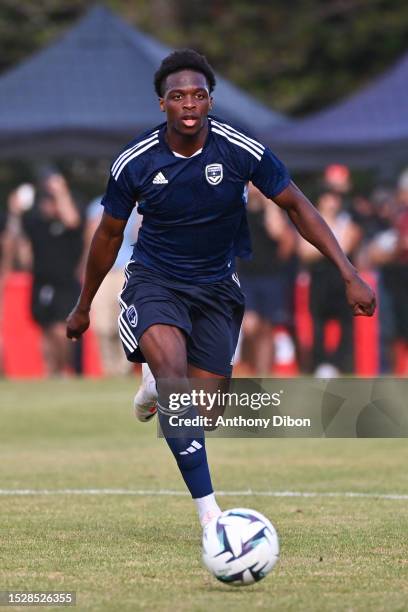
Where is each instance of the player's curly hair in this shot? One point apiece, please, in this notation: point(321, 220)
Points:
point(183, 59)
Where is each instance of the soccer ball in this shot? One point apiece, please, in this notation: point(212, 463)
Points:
point(240, 546)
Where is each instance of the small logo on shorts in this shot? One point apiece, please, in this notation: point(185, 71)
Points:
point(214, 174)
point(236, 279)
point(131, 315)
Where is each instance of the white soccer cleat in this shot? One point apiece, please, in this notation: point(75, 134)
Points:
point(146, 396)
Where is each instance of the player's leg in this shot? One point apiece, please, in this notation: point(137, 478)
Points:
point(155, 323)
point(210, 352)
point(164, 348)
point(207, 507)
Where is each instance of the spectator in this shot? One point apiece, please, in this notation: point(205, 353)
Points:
point(401, 261)
point(267, 281)
point(14, 251)
point(2, 274)
point(53, 229)
point(374, 254)
point(389, 252)
point(327, 295)
point(337, 178)
point(365, 212)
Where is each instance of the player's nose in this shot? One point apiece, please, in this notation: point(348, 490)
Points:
point(189, 102)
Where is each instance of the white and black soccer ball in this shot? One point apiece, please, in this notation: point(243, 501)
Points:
point(240, 546)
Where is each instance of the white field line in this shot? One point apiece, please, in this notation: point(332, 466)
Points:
point(169, 492)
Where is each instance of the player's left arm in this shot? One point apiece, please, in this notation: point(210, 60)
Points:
point(315, 230)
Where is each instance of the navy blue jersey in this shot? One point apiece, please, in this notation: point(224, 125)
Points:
point(194, 219)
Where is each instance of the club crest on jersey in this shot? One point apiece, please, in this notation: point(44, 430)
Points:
point(131, 315)
point(214, 174)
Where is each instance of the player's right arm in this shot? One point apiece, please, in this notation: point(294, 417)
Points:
point(104, 248)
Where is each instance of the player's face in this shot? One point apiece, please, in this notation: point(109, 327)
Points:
point(186, 102)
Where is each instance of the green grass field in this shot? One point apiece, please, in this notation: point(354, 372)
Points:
point(142, 551)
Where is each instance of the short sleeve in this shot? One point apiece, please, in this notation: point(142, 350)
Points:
point(120, 197)
point(271, 175)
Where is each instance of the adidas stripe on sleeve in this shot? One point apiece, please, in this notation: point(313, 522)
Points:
point(133, 152)
point(246, 143)
point(120, 197)
point(271, 175)
point(265, 170)
point(121, 193)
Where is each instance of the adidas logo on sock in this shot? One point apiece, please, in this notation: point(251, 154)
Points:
point(160, 179)
point(195, 446)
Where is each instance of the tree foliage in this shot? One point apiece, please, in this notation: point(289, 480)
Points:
point(296, 56)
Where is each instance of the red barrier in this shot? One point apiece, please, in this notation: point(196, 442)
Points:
point(91, 361)
point(367, 338)
point(401, 358)
point(22, 336)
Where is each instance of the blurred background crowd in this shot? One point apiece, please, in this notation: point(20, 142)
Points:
point(52, 175)
point(297, 317)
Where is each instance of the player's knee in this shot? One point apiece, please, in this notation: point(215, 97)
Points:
point(165, 350)
point(171, 378)
point(168, 366)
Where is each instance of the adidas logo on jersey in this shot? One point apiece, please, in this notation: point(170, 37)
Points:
point(160, 179)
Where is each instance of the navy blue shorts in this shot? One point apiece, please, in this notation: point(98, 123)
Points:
point(210, 315)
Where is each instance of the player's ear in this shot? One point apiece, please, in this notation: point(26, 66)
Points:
point(161, 104)
point(211, 103)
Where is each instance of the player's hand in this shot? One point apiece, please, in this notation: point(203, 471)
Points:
point(360, 297)
point(77, 323)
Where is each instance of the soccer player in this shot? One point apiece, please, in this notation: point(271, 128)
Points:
point(181, 303)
